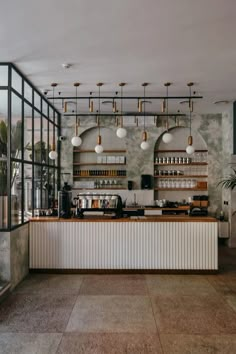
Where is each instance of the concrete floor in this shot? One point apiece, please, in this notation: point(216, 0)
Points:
point(135, 314)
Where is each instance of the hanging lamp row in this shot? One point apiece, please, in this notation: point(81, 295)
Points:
point(121, 131)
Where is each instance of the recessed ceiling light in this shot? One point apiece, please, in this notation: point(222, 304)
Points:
point(222, 102)
point(66, 65)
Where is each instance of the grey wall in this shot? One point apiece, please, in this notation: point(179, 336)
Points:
point(14, 255)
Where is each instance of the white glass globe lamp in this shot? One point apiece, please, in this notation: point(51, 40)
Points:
point(144, 145)
point(190, 148)
point(167, 137)
point(52, 155)
point(121, 132)
point(99, 148)
point(76, 141)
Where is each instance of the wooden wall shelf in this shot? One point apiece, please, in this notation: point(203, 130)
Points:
point(95, 177)
point(182, 176)
point(104, 151)
point(180, 189)
point(100, 189)
point(168, 151)
point(97, 164)
point(181, 164)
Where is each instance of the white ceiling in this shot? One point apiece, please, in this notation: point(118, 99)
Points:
point(125, 40)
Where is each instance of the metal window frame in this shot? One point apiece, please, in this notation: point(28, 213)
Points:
point(56, 125)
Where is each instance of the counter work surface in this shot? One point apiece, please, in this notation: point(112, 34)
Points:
point(158, 218)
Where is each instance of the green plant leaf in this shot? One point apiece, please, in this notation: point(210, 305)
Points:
point(3, 132)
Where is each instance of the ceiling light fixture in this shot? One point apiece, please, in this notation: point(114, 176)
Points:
point(167, 137)
point(222, 102)
point(190, 148)
point(99, 148)
point(121, 131)
point(144, 144)
point(53, 154)
point(66, 65)
point(76, 140)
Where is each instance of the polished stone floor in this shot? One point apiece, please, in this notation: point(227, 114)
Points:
point(135, 314)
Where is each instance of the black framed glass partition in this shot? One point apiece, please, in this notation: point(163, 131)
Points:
point(28, 178)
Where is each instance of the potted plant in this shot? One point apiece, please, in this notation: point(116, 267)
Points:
point(3, 158)
point(230, 181)
point(15, 149)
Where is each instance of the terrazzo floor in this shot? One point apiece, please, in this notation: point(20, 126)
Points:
point(131, 314)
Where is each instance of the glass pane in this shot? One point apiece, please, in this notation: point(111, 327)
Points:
point(45, 108)
point(3, 160)
point(3, 75)
point(51, 145)
point(38, 147)
point(57, 119)
point(40, 187)
point(37, 101)
point(51, 188)
point(28, 93)
point(45, 140)
point(56, 143)
point(16, 81)
point(27, 191)
point(16, 191)
point(51, 114)
point(27, 132)
point(16, 127)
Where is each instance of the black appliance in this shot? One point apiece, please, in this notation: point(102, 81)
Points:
point(195, 211)
point(64, 204)
point(130, 185)
point(146, 181)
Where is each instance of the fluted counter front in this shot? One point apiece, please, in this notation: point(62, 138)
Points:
point(151, 243)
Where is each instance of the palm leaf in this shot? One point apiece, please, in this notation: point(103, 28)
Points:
point(229, 182)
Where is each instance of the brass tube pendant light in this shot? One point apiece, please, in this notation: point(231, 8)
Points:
point(167, 137)
point(144, 144)
point(99, 148)
point(121, 131)
point(190, 148)
point(90, 104)
point(53, 154)
point(76, 140)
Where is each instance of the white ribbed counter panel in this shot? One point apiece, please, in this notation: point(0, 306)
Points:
point(124, 245)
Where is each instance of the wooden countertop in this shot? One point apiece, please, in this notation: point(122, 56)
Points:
point(158, 218)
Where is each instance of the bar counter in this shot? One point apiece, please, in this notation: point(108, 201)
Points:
point(155, 243)
point(158, 218)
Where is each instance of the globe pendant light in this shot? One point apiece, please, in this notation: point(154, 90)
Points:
point(76, 140)
point(167, 137)
point(53, 154)
point(190, 148)
point(121, 131)
point(144, 144)
point(99, 148)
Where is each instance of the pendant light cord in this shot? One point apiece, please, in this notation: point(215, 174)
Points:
point(190, 110)
point(167, 107)
point(99, 110)
point(53, 131)
point(76, 108)
point(144, 108)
